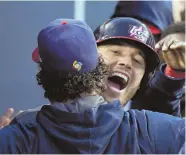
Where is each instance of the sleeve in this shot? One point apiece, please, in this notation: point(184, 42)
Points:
point(168, 133)
point(173, 73)
point(163, 94)
point(14, 139)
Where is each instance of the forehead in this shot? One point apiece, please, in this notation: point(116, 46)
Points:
point(122, 44)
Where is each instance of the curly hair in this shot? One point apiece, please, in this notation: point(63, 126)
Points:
point(63, 86)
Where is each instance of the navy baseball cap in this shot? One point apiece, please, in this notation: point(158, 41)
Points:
point(66, 45)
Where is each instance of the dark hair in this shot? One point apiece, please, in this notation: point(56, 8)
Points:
point(174, 28)
point(63, 86)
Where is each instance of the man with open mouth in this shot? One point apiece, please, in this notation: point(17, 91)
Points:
point(129, 49)
point(78, 120)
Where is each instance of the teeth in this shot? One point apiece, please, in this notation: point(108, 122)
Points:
point(120, 75)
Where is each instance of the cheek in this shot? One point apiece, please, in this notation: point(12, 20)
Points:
point(137, 76)
point(105, 57)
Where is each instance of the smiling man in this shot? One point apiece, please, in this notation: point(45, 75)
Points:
point(79, 120)
point(128, 47)
point(127, 64)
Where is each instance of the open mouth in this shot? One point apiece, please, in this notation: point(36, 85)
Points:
point(118, 81)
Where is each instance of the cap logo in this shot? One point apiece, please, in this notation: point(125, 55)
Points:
point(77, 65)
point(105, 37)
point(139, 33)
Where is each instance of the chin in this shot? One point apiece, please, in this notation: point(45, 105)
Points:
point(109, 97)
point(128, 95)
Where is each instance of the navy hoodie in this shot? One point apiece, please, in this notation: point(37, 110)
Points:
point(158, 13)
point(92, 126)
point(163, 94)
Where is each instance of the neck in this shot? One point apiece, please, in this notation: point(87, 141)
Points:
point(81, 104)
point(82, 95)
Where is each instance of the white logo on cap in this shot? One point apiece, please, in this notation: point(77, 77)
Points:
point(139, 33)
point(105, 37)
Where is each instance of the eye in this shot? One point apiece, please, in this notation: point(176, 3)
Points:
point(115, 52)
point(137, 61)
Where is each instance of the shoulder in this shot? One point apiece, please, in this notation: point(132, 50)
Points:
point(18, 138)
point(166, 132)
point(155, 119)
point(26, 116)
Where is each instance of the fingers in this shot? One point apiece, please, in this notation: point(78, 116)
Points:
point(159, 45)
point(7, 121)
point(171, 59)
point(164, 43)
point(183, 55)
point(167, 44)
point(2, 120)
point(179, 44)
point(9, 112)
point(179, 49)
point(6, 118)
point(170, 42)
point(175, 59)
point(181, 58)
point(173, 52)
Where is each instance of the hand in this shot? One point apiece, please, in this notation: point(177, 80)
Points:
point(173, 52)
point(6, 118)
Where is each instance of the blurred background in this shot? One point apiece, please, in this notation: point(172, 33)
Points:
point(19, 26)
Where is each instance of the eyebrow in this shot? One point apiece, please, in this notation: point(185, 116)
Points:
point(141, 53)
point(134, 46)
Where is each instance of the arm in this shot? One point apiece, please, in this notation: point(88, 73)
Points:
point(163, 94)
point(14, 140)
point(165, 90)
point(6, 118)
point(157, 133)
point(168, 133)
point(21, 116)
point(26, 116)
point(160, 133)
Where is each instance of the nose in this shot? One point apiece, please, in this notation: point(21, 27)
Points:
point(125, 62)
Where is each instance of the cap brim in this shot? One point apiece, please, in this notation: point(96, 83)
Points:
point(152, 58)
